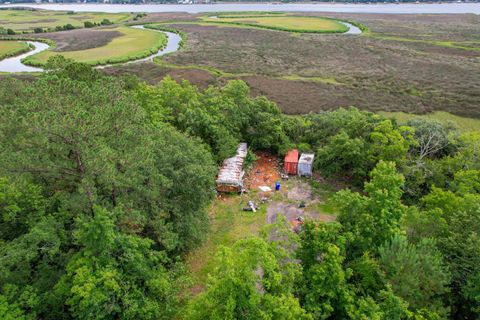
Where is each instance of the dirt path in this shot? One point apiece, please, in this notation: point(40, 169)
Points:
point(292, 212)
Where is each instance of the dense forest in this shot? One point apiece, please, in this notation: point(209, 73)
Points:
point(105, 181)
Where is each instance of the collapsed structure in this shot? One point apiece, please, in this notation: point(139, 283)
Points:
point(230, 176)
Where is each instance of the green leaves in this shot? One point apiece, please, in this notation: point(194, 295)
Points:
point(247, 284)
point(373, 219)
point(416, 272)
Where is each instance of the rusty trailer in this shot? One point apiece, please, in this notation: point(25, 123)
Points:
point(231, 174)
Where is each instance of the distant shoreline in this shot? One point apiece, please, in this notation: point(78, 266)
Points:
point(444, 7)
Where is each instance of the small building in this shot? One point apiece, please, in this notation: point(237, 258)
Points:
point(305, 164)
point(230, 176)
point(290, 163)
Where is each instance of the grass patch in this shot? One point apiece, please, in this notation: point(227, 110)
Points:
point(133, 44)
point(293, 77)
point(464, 124)
point(463, 45)
point(12, 48)
point(161, 27)
point(228, 224)
point(26, 20)
point(282, 23)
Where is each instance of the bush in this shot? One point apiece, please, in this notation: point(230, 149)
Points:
point(68, 26)
point(11, 32)
point(38, 30)
point(106, 22)
point(88, 24)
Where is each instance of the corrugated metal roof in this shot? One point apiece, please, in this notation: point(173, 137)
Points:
point(306, 158)
point(231, 171)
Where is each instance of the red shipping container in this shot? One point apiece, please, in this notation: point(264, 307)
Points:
point(291, 162)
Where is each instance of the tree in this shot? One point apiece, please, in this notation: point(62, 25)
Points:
point(324, 290)
point(116, 275)
point(389, 143)
point(247, 283)
point(453, 220)
point(433, 138)
point(416, 273)
point(373, 219)
point(342, 154)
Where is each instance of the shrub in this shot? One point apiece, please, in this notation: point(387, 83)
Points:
point(106, 22)
point(68, 26)
point(88, 24)
point(38, 30)
point(11, 32)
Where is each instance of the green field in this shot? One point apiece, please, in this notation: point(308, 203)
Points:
point(464, 124)
point(12, 48)
point(282, 22)
point(28, 20)
point(228, 224)
point(133, 44)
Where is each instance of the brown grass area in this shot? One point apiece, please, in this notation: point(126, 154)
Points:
point(80, 39)
point(153, 73)
point(373, 72)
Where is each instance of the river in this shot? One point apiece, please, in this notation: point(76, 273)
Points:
point(222, 7)
point(14, 64)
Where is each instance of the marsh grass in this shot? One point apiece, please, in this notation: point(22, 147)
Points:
point(12, 48)
point(132, 45)
point(282, 23)
point(27, 20)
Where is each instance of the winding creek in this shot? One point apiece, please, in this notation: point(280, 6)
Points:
point(14, 64)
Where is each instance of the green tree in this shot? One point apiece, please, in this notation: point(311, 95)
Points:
point(389, 143)
point(416, 272)
point(324, 290)
point(116, 275)
point(247, 283)
point(372, 219)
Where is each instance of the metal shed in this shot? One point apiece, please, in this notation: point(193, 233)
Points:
point(290, 164)
point(305, 164)
point(230, 176)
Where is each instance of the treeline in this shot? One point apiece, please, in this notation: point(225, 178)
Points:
point(66, 27)
point(104, 184)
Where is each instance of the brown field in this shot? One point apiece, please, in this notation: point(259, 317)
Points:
point(80, 39)
point(410, 63)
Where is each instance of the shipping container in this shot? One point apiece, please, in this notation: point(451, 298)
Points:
point(291, 162)
point(305, 164)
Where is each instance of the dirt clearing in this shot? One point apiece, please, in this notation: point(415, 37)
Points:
point(265, 171)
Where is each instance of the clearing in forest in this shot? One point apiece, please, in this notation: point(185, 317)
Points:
point(230, 223)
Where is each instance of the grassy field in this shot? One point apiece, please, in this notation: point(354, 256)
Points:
point(130, 44)
point(283, 22)
point(28, 20)
point(228, 224)
point(463, 124)
point(12, 48)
